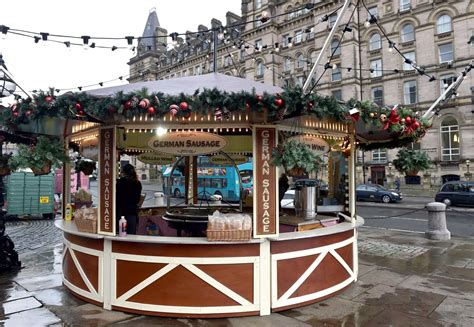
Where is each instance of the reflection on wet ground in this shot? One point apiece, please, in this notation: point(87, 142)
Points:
point(432, 288)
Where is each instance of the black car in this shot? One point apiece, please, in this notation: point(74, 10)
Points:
point(374, 192)
point(456, 193)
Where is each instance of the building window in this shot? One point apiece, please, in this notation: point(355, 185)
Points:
point(375, 68)
point(450, 139)
point(300, 81)
point(287, 65)
point(258, 21)
point(335, 47)
point(258, 45)
point(443, 24)
point(379, 156)
point(409, 92)
point(408, 33)
point(332, 19)
point(258, 4)
point(242, 54)
point(260, 68)
point(285, 40)
point(337, 94)
point(336, 74)
point(290, 12)
point(375, 42)
point(446, 52)
point(298, 36)
point(445, 81)
point(312, 57)
point(228, 61)
point(300, 61)
point(410, 56)
point(373, 11)
point(377, 95)
point(405, 5)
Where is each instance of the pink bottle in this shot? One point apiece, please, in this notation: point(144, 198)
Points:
point(122, 226)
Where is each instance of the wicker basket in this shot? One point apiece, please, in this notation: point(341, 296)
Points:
point(229, 235)
point(86, 225)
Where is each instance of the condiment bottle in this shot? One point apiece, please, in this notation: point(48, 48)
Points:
point(122, 226)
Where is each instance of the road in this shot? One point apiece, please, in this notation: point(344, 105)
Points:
point(409, 215)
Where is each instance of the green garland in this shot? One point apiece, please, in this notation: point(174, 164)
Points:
point(291, 102)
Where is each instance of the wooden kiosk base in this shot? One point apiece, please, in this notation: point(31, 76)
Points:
point(192, 277)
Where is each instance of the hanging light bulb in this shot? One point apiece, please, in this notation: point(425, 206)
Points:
point(290, 43)
point(174, 38)
point(4, 30)
point(390, 46)
point(129, 41)
point(334, 66)
point(85, 41)
point(265, 16)
point(367, 24)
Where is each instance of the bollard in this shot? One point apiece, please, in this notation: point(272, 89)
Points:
point(159, 199)
point(437, 229)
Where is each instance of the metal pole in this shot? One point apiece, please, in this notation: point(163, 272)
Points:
point(325, 45)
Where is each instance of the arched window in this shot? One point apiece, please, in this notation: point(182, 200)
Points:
point(375, 42)
point(450, 139)
point(335, 47)
point(290, 12)
point(443, 24)
point(260, 68)
point(408, 33)
point(300, 61)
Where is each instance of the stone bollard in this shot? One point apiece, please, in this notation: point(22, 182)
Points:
point(437, 222)
point(159, 199)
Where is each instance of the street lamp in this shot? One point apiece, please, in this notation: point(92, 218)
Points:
point(468, 162)
point(7, 85)
point(390, 168)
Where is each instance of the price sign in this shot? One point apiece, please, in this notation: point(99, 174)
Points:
point(44, 199)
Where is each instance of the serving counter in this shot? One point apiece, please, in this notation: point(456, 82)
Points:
point(193, 277)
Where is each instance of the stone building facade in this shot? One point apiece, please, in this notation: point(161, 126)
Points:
point(281, 50)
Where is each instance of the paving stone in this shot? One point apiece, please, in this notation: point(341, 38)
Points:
point(385, 249)
point(394, 318)
point(89, 315)
point(20, 305)
point(334, 312)
point(58, 296)
point(401, 299)
point(383, 276)
point(12, 291)
point(355, 289)
point(363, 269)
point(42, 282)
point(436, 284)
point(458, 311)
point(35, 317)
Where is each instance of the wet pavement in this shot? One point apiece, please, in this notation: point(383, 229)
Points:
point(404, 280)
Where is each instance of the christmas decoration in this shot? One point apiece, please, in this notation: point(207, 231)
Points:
point(296, 158)
point(281, 114)
point(112, 110)
point(151, 111)
point(393, 118)
point(128, 105)
point(183, 106)
point(259, 98)
point(173, 109)
point(355, 114)
point(279, 102)
point(48, 99)
point(144, 103)
point(78, 107)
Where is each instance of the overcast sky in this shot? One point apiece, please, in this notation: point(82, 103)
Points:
point(40, 66)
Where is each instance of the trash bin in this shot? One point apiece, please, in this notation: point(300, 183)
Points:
point(306, 198)
point(159, 199)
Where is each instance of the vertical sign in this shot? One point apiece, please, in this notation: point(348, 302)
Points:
point(265, 212)
point(107, 155)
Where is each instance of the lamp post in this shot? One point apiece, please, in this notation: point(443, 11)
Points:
point(7, 85)
point(468, 174)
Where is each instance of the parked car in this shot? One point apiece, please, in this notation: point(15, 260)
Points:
point(374, 192)
point(456, 193)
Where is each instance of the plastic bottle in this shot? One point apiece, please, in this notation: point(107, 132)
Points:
point(68, 215)
point(122, 226)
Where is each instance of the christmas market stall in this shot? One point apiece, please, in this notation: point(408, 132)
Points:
point(209, 257)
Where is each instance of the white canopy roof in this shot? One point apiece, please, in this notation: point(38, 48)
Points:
point(188, 85)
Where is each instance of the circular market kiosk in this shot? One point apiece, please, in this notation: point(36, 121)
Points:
point(285, 259)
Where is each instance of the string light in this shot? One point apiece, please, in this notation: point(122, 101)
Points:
point(4, 30)
point(85, 41)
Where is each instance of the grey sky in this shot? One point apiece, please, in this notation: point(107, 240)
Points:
point(38, 66)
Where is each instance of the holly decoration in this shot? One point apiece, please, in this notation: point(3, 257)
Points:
point(393, 118)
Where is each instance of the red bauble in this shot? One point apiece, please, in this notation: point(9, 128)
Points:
point(78, 106)
point(144, 103)
point(416, 124)
point(408, 120)
point(27, 113)
point(247, 105)
point(310, 105)
point(279, 102)
point(15, 114)
point(259, 98)
point(183, 106)
point(151, 110)
point(128, 105)
point(48, 99)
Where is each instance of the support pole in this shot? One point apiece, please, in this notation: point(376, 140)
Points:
point(325, 45)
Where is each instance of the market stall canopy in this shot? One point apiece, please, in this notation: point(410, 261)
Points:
point(189, 85)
